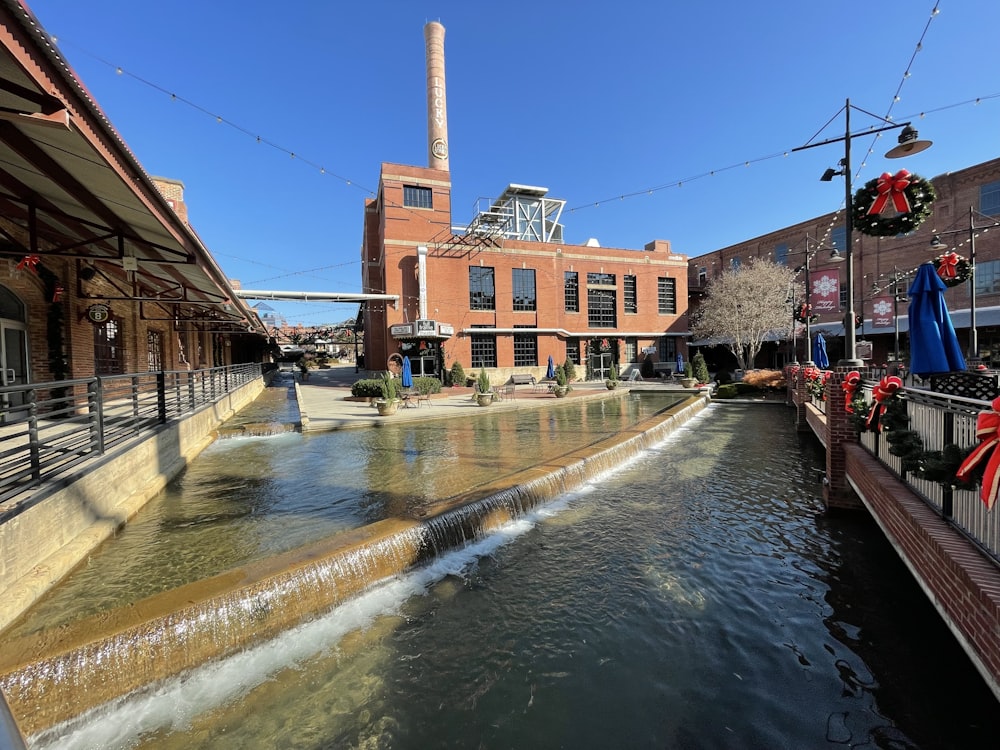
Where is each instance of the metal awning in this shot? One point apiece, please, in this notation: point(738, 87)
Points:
point(985, 317)
point(71, 188)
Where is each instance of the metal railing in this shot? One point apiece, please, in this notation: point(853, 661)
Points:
point(940, 420)
point(47, 429)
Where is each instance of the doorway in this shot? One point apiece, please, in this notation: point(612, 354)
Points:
point(13, 350)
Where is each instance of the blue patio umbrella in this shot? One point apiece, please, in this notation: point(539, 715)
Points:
point(933, 344)
point(406, 380)
point(680, 364)
point(819, 352)
point(550, 372)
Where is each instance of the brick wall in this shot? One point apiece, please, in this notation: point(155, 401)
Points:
point(837, 492)
point(960, 581)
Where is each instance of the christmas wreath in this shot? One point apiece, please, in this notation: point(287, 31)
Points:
point(909, 195)
point(804, 314)
point(952, 268)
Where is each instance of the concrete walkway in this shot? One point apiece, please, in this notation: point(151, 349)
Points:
point(324, 405)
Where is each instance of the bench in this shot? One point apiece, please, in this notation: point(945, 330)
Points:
point(518, 378)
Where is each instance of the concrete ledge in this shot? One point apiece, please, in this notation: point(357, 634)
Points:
point(45, 542)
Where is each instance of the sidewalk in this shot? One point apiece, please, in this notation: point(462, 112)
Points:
point(324, 405)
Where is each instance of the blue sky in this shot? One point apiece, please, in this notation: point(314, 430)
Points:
point(609, 106)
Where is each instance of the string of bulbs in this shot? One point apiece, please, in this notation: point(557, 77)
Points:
point(292, 154)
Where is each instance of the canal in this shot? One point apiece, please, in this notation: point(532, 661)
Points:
point(696, 597)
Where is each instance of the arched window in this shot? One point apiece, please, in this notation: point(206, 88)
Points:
point(11, 307)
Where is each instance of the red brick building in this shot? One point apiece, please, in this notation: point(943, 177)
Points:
point(966, 212)
point(505, 292)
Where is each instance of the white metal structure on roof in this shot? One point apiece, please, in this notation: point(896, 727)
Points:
point(522, 212)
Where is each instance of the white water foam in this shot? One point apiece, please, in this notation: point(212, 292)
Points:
point(175, 703)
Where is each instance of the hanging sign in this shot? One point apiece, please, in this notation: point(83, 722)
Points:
point(98, 314)
point(882, 312)
point(825, 295)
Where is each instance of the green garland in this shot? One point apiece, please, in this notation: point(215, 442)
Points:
point(919, 194)
point(962, 270)
point(58, 363)
point(801, 316)
point(934, 466)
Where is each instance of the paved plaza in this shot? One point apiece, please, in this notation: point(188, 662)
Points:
point(324, 400)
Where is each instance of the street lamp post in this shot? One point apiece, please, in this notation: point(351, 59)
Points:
point(808, 303)
point(938, 245)
point(895, 314)
point(908, 144)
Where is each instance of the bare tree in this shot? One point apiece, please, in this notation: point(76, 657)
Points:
point(744, 307)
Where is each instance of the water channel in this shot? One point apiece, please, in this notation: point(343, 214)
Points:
point(696, 597)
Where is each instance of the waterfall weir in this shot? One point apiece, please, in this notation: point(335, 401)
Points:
point(53, 675)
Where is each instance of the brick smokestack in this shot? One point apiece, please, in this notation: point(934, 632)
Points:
point(437, 106)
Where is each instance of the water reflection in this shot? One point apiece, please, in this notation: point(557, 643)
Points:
point(245, 499)
point(698, 598)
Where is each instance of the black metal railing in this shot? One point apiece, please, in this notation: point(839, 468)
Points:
point(942, 419)
point(48, 429)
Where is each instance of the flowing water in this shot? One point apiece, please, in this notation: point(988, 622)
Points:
point(250, 498)
point(697, 597)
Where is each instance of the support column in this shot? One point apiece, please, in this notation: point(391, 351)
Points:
point(837, 493)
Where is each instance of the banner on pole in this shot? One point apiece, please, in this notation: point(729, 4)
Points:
point(882, 312)
point(825, 293)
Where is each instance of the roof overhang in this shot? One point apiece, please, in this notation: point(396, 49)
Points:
point(71, 188)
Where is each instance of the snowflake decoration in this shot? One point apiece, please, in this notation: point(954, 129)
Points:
point(882, 307)
point(825, 286)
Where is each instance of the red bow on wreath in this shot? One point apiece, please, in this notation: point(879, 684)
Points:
point(57, 293)
point(850, 384)
point(29, 262)
point(987, 425)
point(947, 265)
point(886, 389)
point(892, 186)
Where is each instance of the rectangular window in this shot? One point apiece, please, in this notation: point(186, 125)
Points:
point(525, 349)
point(154, 350)
point(602, 300)
point(631, 302)
point(573, 351)
point(843, 296)
point(702, 276)
point(666, 296)
point(666, 349)
point(571, 291)
point(109, 358)
point(523, 285)
point(415, 196)
point(781, 254)
point(631, 350)
point(989, 199)
point(482, 290)
point(987, 277)
point(838, 238)
point(735, 263)
point(484, 350)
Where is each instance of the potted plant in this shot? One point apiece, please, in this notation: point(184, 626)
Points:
point(701, 373)
point(689, 380)
point(390, 397)
point(612, 382)
point(484, 392)
point(561, 388)
point(457, 374)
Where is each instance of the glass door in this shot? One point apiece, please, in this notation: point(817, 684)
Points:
point(13, 363)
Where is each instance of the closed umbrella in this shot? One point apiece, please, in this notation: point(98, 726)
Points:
point(934, 346)
point(406, 379)
point(550, 372)
point(819, 352)
point(680, 364)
